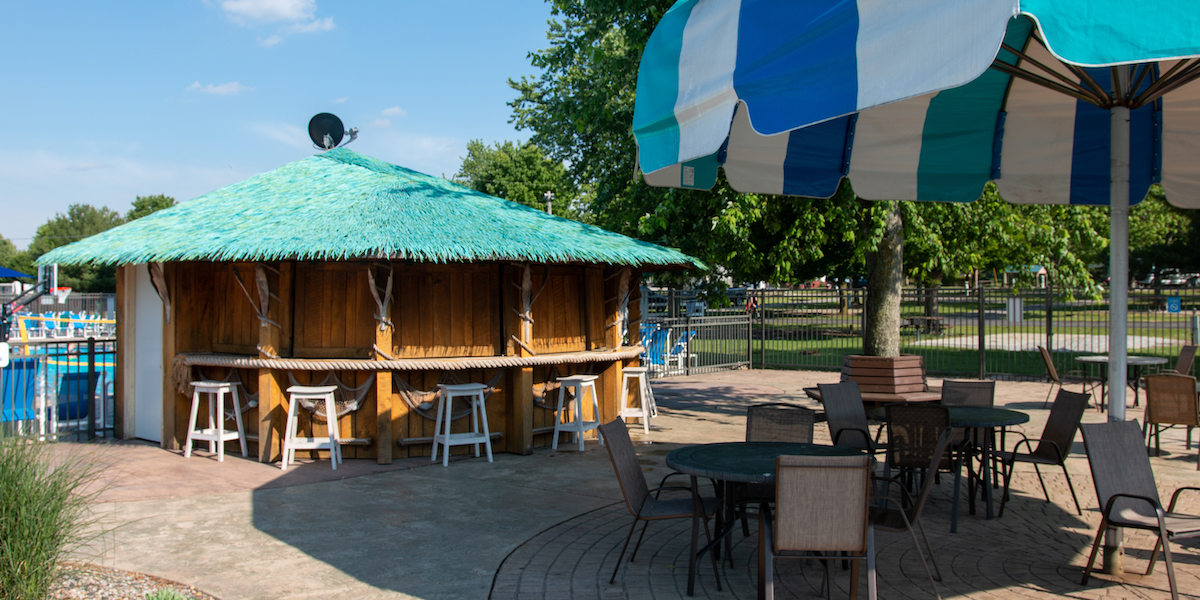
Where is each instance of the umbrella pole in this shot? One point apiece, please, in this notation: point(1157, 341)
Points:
point(1118, 296)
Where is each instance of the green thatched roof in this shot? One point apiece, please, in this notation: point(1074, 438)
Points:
point(344, 205)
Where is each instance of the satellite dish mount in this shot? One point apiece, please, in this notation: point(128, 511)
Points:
point(326, 132)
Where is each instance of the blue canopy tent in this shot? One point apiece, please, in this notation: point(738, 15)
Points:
point(1057, 101)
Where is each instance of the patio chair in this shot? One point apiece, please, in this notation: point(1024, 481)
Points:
point(1053, 446)
point(847, 418)
point(1170, 401)
point(774, 422)
point(638, 499)
point(893, 517)
point(18, 385)
point(1053, 376)
point(681, 351)
point(969, 393)
point(822, 505)
point(655, 355)
point(1128, 495)
point(1183, 364)
point(914, 431)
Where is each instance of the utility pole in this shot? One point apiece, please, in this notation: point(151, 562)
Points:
point(549, 198)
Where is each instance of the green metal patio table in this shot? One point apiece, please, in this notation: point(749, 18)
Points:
point(737, 463)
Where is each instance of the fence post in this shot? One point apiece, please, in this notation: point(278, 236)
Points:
point(1195, 329)
point(1049, 316)
point(91, 389)
point(750, 338)
point(982, 332)
point(687, 348)
point(762, 331)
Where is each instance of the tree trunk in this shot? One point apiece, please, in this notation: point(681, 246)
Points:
point(843, 300)
point(885, 276)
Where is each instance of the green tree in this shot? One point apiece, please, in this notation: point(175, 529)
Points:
point(14, 259)
point(520, 173)
point(144, 205)
point(80, 221)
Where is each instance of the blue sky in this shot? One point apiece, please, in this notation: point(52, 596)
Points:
point(105, 101)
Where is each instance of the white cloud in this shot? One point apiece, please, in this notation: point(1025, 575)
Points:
point(394, 111)
point(223, 89)
point(341, 100)
point(271, 41)
point(283, 132)
point(269, 11)
point(433, 154)
point(318, 25)
point(382, 122)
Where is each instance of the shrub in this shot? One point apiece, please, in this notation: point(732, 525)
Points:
point(44, 514)
point(165, 594)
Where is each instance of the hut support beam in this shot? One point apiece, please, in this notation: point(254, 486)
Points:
point(615, 295)
point(520, 329)
point(270, 383)
point(171, 398)
point(383, 379)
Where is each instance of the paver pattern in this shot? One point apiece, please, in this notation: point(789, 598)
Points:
point(1037, 550)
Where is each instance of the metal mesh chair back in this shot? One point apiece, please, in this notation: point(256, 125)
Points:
point(914, 431)
point(1063, 423)
point(625, 463)
point(1187, 355)
point(937, 458)
point(969, 393)
point(845, 414)
point(1051, 372)
point(1120, 465)
point(779, 423)
point(1171, 400)
point(822, 503)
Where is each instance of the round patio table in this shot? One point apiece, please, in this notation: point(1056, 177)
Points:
point(734, 462)
point(1134, 366)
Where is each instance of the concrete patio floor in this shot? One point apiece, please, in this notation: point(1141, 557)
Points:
point(550, 525)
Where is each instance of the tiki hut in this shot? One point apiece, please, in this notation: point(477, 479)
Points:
point(341, 268)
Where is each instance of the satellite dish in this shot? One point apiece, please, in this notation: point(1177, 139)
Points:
point(326, 131)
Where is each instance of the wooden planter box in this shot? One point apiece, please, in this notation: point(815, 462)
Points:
point(885, 375)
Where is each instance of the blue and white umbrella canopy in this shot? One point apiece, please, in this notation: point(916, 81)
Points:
point(930, 100)
point(921, 99)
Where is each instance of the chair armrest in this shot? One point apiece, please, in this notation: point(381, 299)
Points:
point(662, 485)
point(1175, 496)
point(1029, 444)
point(1151, 501)
point(671, 488)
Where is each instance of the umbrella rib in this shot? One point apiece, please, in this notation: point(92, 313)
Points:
point(1171, 80)
point(1056, 74)
point(1079, 72)
point(1145, 69)
point(1006, 68)
point(1179, 81)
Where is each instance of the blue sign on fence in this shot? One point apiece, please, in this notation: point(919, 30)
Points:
point(1174, 304)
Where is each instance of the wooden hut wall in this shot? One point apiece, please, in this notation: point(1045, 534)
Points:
point(438, 311)
point(446, 311)
point(334, 311)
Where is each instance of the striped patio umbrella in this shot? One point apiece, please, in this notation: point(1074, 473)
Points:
point(1057, 101)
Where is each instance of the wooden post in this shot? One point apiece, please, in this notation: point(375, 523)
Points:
point(383, 379)
point(613, 397)
point(170, 398)
point(520, 421)
point(270, 383)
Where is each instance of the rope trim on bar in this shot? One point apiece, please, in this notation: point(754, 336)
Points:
point(442, 364)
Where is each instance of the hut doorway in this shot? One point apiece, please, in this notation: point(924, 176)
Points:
point(147, 357)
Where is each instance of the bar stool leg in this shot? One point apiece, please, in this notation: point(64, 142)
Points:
point(187, 445)
point(595, 413)
point(474, 423)
point(437, 428)
point(487, 435)
point(577, 418)
point(212, 397)
point(558, 416)
point(335, 453)
point(219, 429)
point(289, 434)
point(650, 394)
point(448, 403)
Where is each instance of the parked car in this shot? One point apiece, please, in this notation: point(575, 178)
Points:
point(1173, 278)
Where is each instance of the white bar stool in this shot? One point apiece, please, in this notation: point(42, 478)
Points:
point(291, 443)
point(215, 434)
point(446, 394)
point(576, 425)
point(646, 407)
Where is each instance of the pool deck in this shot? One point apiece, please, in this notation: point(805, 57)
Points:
point(550, 525)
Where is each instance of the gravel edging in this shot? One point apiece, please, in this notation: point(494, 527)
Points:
point(79, 582)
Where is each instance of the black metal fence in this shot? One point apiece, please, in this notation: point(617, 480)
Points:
point(80, 316)
point(61, 390)
point(959, 331)
point(690, 345)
